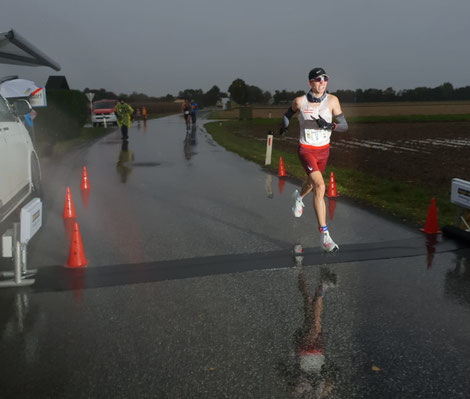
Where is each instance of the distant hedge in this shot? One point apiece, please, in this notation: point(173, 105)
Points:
point(64, 116)
point(157, 107)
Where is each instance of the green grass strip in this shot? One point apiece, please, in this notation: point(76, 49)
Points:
point(395, 198)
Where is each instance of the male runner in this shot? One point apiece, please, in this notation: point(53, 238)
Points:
point(194, 110)
point(186, 108)
point(315, 113)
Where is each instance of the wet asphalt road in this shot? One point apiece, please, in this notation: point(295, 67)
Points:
point(192, 291)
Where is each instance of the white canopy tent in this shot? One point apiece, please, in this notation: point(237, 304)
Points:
point(11, 88)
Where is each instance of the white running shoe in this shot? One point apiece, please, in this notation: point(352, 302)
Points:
point(298, 207)
point(327, 244)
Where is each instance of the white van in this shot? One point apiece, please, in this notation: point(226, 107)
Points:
point(20, 174)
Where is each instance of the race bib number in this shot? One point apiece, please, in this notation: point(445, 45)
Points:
point(317, 137)
point(186, 112)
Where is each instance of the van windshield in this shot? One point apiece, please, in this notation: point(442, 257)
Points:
point(103, 105)
point(5, 114)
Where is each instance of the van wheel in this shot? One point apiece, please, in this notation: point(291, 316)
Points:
point(36, 189)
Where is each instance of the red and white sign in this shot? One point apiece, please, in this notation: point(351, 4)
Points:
point(269, 149)
point(38, 98)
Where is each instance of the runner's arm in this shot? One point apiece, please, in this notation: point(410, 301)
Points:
point(287, 116)
point(341, 125)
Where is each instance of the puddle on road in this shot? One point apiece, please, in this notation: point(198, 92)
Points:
point(111, 141)
point(145, 164)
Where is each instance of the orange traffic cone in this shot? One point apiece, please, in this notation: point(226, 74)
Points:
point(281, 171)
point(84, 184)
point(281, 183)
point(430, 227)
point(76, 255)
point(69, 211)
point(332, 187)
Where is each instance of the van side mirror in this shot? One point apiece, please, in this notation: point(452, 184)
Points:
point(22, 107)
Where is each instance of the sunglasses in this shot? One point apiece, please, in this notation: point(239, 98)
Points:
point(320, 79)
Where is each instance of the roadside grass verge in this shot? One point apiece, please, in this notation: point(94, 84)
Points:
point(401, 200)
point(87, 134)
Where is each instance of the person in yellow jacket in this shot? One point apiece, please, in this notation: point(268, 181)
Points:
point(144, 113)
point(123, 113)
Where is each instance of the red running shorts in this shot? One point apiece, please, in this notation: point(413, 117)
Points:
point(313, 159)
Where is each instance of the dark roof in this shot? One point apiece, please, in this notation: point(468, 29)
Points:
point(57, 83)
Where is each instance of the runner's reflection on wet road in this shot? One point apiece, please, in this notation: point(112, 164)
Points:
point(190, 140)
point(311, 374)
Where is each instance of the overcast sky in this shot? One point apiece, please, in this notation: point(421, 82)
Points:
point(159, 47)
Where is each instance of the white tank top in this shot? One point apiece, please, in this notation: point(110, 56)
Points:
point(310, 134)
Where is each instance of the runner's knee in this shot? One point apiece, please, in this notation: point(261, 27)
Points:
point(318, 185)
point(320, 189)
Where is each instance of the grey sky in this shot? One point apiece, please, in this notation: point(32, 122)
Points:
point(159, 47)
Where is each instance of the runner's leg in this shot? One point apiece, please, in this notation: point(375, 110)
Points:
point(318, 185)
point(306, 187)
point(124, 131)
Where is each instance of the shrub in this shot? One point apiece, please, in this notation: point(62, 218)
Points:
point(64, 116)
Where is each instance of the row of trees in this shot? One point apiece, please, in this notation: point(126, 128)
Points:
point(103, 94)
point(445, 92)
point(243, 93)
point(208, 98)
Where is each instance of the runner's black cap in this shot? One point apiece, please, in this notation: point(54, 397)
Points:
point(316, 72)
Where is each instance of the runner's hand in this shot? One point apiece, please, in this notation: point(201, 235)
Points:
point(323, 124)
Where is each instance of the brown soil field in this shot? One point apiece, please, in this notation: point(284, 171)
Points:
point(370, 109)
point(427, 154)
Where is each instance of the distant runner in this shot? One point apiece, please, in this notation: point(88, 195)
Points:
point(186, 112)
point(315, 113)
point(194, 110)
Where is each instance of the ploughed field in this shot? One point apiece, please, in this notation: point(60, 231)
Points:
point(426, 153)
point(430, 153)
